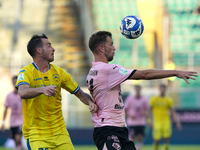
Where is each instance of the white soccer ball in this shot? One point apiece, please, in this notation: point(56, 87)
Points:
point(131, 27)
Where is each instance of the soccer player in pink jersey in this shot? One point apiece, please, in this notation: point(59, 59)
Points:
point(14, 101)
point(136, 108)
point(104, 80)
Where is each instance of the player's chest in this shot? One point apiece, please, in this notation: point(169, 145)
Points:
point(45, 79)
point(161, 103)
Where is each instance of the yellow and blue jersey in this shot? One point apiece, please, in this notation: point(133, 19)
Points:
point(42, 114)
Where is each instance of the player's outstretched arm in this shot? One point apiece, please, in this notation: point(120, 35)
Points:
point(25, 92)
point(151, 74)
point(86, 99)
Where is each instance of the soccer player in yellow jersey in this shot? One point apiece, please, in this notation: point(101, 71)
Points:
point(39, 85)
point(161, 107)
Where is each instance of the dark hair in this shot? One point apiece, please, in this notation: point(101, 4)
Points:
point(34, 43)
point(14, 77)
point(137, 85)
point(98, 38)
point(163, 85)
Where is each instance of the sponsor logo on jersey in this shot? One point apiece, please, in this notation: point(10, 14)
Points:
point(37, 79)
point(123, 71)
point(116, 146)
point(93, 72)
point(117, 106)
point(46, 78)
point(37, 86)
point(21, 77)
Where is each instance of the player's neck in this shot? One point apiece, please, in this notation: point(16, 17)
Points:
point(162, 95)
point(15, 91)
point(100, 58)
point(43, 66)
point(138, 96)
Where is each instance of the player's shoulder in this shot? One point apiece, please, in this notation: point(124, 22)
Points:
point(10, 94)
point(154, 97)
point(129, 97)
point(104, 67)
point(107, 66)
point(169, 98)
point(57, 68)
point(27, 68)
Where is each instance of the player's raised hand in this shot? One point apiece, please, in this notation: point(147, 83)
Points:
point(93, 107)
point(50, 90)
point(187, 75)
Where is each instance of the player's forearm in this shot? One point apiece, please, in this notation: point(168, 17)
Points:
point(175, 118)
point(84, 97)
point(151, 74)
point(28, 93)
point(5, 113)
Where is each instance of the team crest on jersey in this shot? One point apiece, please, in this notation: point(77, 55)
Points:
point(123, 71)
point(56, 77)
point(21, 77)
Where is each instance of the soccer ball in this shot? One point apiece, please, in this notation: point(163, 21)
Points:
point(131, 27)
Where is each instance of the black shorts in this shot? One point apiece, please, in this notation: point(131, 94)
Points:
point(112, 138)
point(14, 131)
point(136, 130)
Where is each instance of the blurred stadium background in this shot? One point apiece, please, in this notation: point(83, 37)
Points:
point(171, 40)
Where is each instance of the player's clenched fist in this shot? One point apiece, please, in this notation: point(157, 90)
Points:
point(50, 90)
point(93, 107)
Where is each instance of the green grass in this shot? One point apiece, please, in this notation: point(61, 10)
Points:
point(146, 147)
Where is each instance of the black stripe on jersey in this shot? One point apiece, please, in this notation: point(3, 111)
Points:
point(131, 74)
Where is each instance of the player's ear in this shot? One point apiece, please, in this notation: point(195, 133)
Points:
point(39, 50)
point(101, 48)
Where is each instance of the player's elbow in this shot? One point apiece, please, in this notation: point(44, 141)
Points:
point(22, 95)
point(145, 75)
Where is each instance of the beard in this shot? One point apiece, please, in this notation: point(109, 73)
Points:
point(108, 56)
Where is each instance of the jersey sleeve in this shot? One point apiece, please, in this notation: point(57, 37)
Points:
point(151, 102)
point(24, 77)
point(171, 102)
point(69, 83)
point(118, 74)
point(7, 101)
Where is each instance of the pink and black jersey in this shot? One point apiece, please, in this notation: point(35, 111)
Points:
point(104, 84)
point(14, 101)
point(136, 109)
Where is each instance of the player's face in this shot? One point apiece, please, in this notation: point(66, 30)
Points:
point(109, 49)
point(137, 89)
point(47, 50)
point(162, 89)
point(14, 81)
